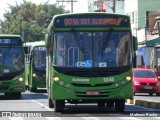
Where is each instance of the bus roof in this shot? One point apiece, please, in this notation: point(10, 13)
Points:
point(90, 13)
point(9, 35)
point(32, 44)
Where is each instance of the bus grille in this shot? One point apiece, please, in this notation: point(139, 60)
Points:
point(89, 85)
point(7, 77)
point(92, 73)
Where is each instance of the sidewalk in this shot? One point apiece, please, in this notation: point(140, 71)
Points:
point(144, 103)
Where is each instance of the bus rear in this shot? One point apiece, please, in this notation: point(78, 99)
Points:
point(82, 67)
point(11, 66)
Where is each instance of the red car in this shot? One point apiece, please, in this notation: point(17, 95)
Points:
point(145, 81)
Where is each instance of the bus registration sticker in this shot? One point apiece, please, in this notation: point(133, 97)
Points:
point(92, 92)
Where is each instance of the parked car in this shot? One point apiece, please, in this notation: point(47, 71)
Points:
point(145, 81)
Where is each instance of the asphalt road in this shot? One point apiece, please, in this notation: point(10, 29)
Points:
point(35, 106)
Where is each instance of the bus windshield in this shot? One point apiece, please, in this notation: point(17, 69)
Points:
point(11, 60)
point(39, 58)
point(92, 49)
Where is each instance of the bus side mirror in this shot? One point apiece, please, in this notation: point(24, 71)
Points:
point(135, 43)
point(47, 40)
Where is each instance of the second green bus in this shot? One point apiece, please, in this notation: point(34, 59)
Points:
point(35, 63)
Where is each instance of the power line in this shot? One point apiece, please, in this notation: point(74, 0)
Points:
point(71, 1)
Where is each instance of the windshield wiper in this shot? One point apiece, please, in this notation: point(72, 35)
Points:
point(79, 42)
point(106, 40)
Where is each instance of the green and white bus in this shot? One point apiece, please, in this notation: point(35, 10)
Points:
point(35, 64)
point(12, 71)
point(78, 68)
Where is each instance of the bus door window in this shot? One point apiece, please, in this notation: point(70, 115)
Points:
point(27, 52)
point(124, 56)
point(60, 51)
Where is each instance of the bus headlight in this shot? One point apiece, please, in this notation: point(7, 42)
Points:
point(34, 75)
point(20, 79)
point(56, 79)
point(128, 78)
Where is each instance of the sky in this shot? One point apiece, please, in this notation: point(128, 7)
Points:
point(76, 9)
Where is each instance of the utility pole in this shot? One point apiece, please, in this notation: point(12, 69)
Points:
point(71, 1)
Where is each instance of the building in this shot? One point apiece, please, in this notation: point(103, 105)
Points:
point(143, 14)
point(106, 6)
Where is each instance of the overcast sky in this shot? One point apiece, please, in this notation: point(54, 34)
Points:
point(79, 6)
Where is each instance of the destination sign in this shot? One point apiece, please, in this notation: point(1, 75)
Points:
point(10, 41)
point(84, 21)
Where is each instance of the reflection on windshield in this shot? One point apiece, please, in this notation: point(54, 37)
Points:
point(39, 58)
point(11, 60)
point(92, 49)
point(144, 74)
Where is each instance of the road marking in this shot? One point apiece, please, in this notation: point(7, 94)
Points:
point(129, 118)
point(53, 118)
point(157, 118)
point(90, 118)
point(16, 118)
point(38, 103)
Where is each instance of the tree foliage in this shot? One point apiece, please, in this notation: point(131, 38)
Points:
point(29, 20)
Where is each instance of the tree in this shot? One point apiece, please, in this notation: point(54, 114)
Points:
point(29, 19)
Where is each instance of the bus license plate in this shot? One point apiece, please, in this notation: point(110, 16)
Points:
point(92, 92)
point(147, 87)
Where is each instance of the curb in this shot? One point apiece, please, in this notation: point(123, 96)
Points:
point(144, 103)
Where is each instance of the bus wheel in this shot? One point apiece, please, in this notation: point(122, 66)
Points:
point(101, 104)
point(50, 103)
point(7, 95)
point(33, 89)
point(59, 105)
point(16, 95)
point(110, 104)
point(120, 105)
point(150, 94)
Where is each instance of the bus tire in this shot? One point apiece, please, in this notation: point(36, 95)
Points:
point(33, 89)
point(110, 104)
point(101, 104)
point(16, 95)
point(50, 103)
point(120, 105)
point(7, 95)
point(59, 105)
